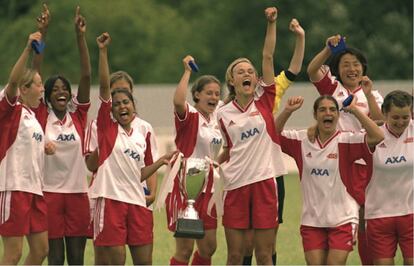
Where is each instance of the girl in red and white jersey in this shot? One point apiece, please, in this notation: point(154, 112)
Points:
point(389, 202)
point(121, 79)
point(342, 76)
point(197, 136)
point(329, 213)
point(23, 208)
point(65, 185)
point(120, 215)
point(252, 157)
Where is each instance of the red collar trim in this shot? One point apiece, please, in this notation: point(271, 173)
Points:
point(241, 109)
point(392, 133)
point(323, 145)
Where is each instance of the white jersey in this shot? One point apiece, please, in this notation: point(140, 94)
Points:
point(21, 148)
point(390, 190)
point(151, 152)
point(197, 136)
point(249, 134)
point(65, 171)
point(324, 171)
point(121, 158)
point(331, 86)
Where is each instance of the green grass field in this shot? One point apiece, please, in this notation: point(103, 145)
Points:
point(289, 246)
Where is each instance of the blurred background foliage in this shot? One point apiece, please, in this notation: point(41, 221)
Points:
point(150, 38)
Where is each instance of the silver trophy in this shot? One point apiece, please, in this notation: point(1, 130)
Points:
point(193, 173)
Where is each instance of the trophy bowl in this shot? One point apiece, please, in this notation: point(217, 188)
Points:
point(193, 175)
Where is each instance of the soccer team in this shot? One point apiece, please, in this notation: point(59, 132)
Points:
point(355, 161)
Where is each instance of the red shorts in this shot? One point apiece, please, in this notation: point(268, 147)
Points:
point(341, 237)
point(22, 213)
point(68, 214)
point(251, 206)
point(118, 223)
point(201, 204)
point(385, 233)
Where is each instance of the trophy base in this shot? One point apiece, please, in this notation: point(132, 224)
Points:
point(189, 228)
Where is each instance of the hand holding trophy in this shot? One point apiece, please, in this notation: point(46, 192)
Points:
point(193, 173)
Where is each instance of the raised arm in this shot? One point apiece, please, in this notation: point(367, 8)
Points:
point(314, 67)
point(85, 65)
point(269, 46)
point(298, 54)
point(292, 104)
point(180, 94)
point(42, 26)
point(20, 66)
point(374, 133)
point(104, 88)
point(374, 109)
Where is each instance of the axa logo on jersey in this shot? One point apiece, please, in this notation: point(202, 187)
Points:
point(66, 137)
point(133, 154)
point(216, 141)
point(37, 136)
point(320, 172)
point(395, 159)
point(249, 133)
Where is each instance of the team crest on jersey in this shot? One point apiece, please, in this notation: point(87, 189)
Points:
point(319, 172)
point(395, 159)
point(341, 93)
point(231, 123)
point(26, 117)
point(254, 113)
point(66, 137)
point(309, 155)
point(382, 145)
point(133, 154)
point(249, 133)
point(332, 156)
point(409, 140)
point(37, 136)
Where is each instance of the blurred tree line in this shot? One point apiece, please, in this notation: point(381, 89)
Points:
point(150, 38)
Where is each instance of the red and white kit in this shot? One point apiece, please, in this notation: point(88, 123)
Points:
point(140, 125)
point(255, 156)
point(389, 202)
point(197, 136)
point(23, 210)
point(249, 133)
point(324, 171)
point(65, 184)
point(118, 179)
point(347, 122)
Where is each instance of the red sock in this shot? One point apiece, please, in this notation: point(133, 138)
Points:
point(173, 261)
point(363, 249)
point(198, 260)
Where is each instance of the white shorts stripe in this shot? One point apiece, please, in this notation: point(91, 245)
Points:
point(5, 201)
point(98, 219)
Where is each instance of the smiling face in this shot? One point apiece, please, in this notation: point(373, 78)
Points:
point(350, 71)
point(326, 115)
point(208, 98)
point(123, 108)
point(59, 96)
point(398, 118)
point(244, 79)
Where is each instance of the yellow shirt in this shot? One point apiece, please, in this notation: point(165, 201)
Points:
point(282, 84)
